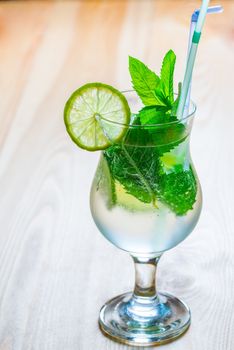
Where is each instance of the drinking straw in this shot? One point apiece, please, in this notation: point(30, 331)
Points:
point(194, 18)
point(191, 58)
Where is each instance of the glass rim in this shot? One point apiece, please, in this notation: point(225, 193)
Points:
point(191, 114)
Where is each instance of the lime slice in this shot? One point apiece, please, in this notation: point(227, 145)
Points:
point(96, 116)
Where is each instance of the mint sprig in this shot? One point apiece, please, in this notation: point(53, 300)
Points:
point(152, 89)
point(163, 111)
point(137, 163)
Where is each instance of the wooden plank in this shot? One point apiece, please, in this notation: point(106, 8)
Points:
point(56, 270)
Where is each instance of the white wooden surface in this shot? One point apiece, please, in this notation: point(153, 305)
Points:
point(56, 270)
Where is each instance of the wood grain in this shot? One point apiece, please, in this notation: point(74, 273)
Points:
point(56, 270)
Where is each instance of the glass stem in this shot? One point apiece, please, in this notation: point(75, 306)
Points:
point(144, 300)
point(145, 277)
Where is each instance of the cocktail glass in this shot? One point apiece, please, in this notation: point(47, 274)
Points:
point(146, 199)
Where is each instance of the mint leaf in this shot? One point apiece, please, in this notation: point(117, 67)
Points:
point(137, 136)
point(178, 190)
point(165, 135)
point(137, 169)
point(153, 115)
point(144, 82)
point(165, 88)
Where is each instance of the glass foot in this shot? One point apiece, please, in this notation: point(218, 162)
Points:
point(128, 321)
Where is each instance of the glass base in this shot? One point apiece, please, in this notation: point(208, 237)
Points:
point(125, 320)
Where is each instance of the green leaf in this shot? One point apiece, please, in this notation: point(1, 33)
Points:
point(165, 135)
point(168, 137)
point(144, 82)
point(153, 115)
point(178, 190)
point(138, 136)
point(137, 169)
point(165, 88)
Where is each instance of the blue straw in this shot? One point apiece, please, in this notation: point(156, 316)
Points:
point(191, 58)
point(211, 9)
point(194, 18)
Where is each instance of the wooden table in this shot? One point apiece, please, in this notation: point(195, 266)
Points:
point(56, 270)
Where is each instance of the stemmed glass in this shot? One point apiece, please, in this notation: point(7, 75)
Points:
point(146, 199)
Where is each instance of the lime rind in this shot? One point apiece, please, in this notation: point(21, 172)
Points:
point(96, 116)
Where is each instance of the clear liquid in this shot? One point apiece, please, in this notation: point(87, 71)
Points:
point(140, 227)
